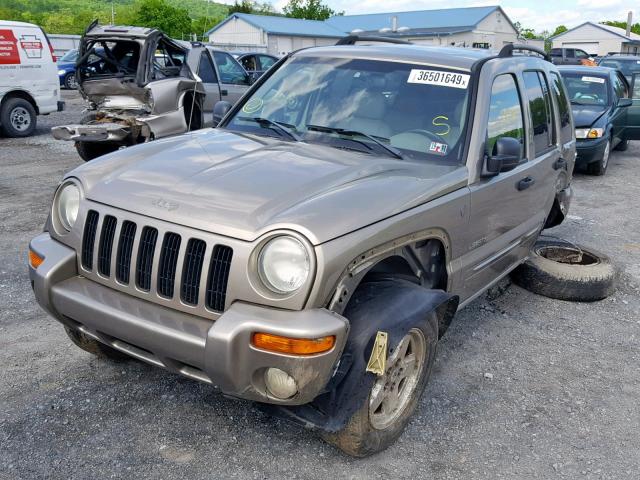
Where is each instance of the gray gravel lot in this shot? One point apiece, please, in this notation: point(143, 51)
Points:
point(563, 400)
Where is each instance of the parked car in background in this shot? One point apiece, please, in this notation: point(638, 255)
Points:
point(627, 64)
point(141, 85)
point(571, 56)
point(28, 81)
point(255, 62)
point(310, 252)
point(604, 114)
point(67, 69)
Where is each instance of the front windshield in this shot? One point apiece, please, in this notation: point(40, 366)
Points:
point(627, 67)
point(388, 108)
point(586, 89)
point(70, 57)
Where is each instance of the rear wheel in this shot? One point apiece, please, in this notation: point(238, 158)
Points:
point(394, 396)
point(17, 118)
point(70, 81)
point(90, 150)
point(94, 347)
point(600, 167)
point(622, 146)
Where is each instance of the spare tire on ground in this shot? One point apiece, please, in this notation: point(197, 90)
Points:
point(560, 269)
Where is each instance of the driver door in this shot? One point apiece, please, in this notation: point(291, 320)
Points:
point(633, 111)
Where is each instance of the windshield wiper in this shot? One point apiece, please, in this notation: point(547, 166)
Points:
point(280, 127)
point(354, 133)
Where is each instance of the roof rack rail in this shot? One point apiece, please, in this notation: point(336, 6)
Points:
point(352, 39)
point(507, 50)
point(611, 54)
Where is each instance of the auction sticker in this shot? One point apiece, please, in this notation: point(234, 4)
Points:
point(437, 147)
point(437, 77)
point(593, 79)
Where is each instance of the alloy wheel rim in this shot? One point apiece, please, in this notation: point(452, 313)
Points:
point(71, 82)
point(392, 392)
point(20, 118)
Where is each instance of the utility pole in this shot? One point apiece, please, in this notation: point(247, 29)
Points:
point(113, 14)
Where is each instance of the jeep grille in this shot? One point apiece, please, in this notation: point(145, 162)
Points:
point(162, 256)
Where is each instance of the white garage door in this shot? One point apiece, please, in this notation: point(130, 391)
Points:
point(589, 47)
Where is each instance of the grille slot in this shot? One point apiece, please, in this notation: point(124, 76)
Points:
point(105, 247)
point(89, 238)
point(125, 249)
point(218, 277)
point(192, 269)
point(145, 257)
point(168, 263)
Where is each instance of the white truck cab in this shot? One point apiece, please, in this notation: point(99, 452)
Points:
point(29, 84)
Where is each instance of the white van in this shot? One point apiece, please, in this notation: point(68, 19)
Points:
point(29, 84)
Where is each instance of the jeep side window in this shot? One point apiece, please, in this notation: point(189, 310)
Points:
point(205, 69)
point(566, 133)
point(540, 108)
point(505, 113)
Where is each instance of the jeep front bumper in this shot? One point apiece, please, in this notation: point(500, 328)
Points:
point(213, 351)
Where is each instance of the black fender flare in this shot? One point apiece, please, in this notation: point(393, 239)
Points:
point(390, 305)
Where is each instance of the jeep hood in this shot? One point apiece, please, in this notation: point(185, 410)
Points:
point(243, 185)
point(585, 115)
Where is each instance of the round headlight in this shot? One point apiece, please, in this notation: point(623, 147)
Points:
point(284, 264)
point(67, 205)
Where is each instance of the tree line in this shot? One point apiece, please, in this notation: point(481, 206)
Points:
point(184, 19)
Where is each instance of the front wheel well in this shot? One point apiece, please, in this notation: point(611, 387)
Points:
point(20, 94)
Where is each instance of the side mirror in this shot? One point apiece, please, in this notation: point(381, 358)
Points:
point(506, 155)
point(220, 109)
point(625, 102)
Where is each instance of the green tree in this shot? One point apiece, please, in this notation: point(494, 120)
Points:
point(559, 29)
point(308, 9)
point(635, 28)
point(173, 21)
point(248, 6)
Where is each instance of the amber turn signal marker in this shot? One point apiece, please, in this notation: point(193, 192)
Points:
point(293, 346)
point(35, 260)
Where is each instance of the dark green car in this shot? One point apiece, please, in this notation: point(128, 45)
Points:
point(606, 113)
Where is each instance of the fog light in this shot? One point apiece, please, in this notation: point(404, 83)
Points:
point(280, 384)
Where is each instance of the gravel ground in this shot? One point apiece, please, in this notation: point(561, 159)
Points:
point(561, 400)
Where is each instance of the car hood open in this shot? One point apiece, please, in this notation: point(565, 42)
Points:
point(585, 115)
point(243, 186)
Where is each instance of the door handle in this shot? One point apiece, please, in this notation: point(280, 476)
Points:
point(224, 93)
point(525, 183)
point(559, 163)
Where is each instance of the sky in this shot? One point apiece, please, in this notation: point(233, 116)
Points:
point(536, 14)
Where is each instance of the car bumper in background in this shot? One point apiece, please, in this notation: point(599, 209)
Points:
point(213, 351)
point(589, 151)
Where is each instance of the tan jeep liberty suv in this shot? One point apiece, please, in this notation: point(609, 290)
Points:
point(309, 251)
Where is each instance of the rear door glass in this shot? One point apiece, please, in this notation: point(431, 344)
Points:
point(540, 110)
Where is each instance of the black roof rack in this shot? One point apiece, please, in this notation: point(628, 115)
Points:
point(352, 39)
point(507, 51)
